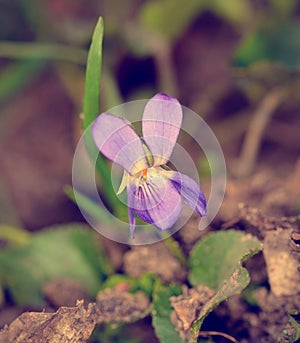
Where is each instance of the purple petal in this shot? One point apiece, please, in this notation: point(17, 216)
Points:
point(155, 201)
point(161, 123)
point(190, 191)
point(117, 140)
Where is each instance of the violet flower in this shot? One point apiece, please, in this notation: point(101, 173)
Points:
point(153, 190)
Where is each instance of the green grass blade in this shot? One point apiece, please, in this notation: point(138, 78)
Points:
point(93, 74)
point(91, 110)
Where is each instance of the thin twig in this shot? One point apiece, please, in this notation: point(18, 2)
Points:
point(217, 333)
point(165, 67)
point(255, 131)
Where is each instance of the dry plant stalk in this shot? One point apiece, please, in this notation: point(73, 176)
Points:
point(256, 129)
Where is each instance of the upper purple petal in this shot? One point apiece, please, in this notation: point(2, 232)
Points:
point(190, 191)
point(118, 141)
point(161, 124)
point(155, 201)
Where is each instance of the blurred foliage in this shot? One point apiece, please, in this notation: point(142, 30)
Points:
point(280, 44)
point(144, 283)
point(169, 17)
point(64, 251)
point(273, 38)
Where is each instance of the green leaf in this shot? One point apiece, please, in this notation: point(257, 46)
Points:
point(162, 309)
point(93, 74)
point(69, 251)
point(146, 283)
point(216, 261)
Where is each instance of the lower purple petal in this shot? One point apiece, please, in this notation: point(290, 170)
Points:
point(190, 191)
point(155, 201)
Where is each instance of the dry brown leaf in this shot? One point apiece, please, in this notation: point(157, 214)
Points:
point(66, 325)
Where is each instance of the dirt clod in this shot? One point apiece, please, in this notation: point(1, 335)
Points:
point(121, 307)
point(188, 306)
point(155, 259)
point(282, 263)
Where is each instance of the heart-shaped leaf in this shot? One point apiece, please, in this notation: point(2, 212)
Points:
point(216, 261)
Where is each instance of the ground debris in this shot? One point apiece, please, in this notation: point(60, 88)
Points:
point(265, 190)
point(121, 307)
point(273, 317)
point(282, 262)
point(66, 325)
point(254, 217)
point(156, 259)
point(281, 248)
point(187, 308)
